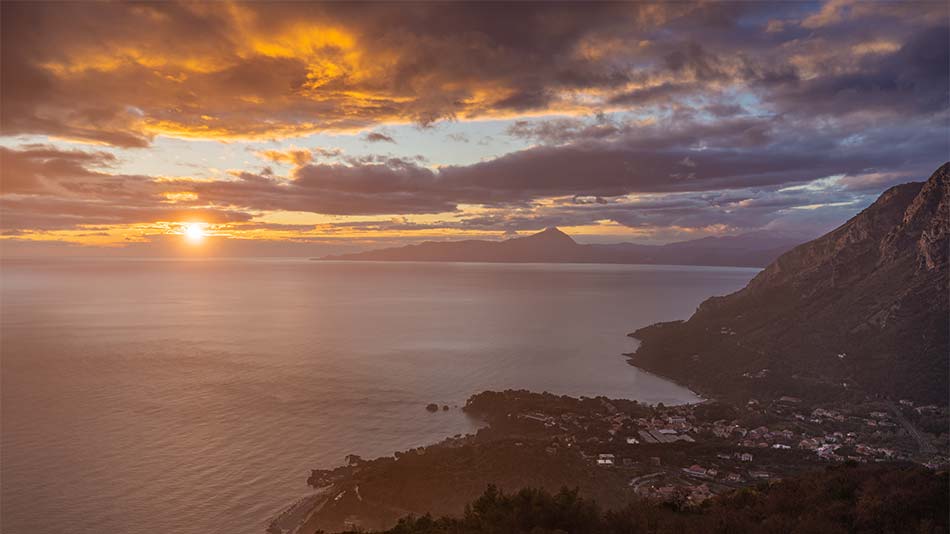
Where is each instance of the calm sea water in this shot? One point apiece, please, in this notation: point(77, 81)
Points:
point(148, 396)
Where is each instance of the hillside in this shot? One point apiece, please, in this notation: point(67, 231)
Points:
point(864, 307)
point(543, 440)
point(843, 499)
point(552, 245)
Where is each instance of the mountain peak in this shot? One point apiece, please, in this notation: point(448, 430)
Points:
point(553, 234)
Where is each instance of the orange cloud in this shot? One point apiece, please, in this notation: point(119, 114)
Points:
point(296, 157)
point(708, 112)
point(123, 73)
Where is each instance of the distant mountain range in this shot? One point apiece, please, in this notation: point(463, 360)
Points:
point(754, 249)
point(863, 309)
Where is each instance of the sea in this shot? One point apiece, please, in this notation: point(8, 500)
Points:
point(195, 396)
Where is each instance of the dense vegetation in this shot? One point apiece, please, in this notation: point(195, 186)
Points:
point(845, 499)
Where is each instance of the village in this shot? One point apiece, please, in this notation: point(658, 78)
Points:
point(688, 453)
point(615, 450)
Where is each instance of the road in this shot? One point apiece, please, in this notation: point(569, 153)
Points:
point(925, 446)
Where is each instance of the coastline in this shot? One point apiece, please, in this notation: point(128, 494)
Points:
point(703, 397)
point(292, 518)
point(302, 514)
point(601, 446)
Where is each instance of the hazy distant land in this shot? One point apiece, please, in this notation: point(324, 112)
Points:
point(756, 249)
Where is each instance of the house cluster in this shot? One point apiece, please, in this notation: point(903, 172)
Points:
point(930, 409)
point(715, 472)
point(674, 425)
point(660, 486)
point(761, 437)
point(686, 494)
point(698, 471)
point(824, 416)
point(603, 434)
point(663, 429)
point(757, 375)
point(831, 434)
point(690, 485)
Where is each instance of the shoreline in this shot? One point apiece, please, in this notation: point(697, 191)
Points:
point(703, 398)
point(548, 441)
point(296, 515)
point(301, 513)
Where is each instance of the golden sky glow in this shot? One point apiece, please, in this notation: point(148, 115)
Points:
point(318, 127)
point(194, 232)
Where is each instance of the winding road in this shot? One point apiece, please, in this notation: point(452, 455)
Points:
point(925, 446)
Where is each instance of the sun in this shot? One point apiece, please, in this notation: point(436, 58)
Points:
point(194, 232)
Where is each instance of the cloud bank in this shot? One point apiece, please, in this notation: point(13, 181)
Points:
point(675, 117)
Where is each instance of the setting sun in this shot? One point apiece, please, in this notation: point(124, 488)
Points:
point(194, 232)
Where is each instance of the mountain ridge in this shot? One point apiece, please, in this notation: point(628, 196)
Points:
point(755, 249)
point(863, 307)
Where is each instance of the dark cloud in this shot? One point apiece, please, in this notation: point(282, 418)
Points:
point(913, 81)
point(458, 137)
point(45, 188)
point(122, 73)
point(376, 187)
point(55, 213)
point(661, 93)
point(377, 137)
point(724, 108)
point(741, 173)
point(40, 168)
point(727, 154)
point(563, 130)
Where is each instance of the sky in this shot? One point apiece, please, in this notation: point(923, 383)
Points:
point(306, 129)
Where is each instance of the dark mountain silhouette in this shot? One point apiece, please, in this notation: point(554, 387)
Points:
point(755, 249)
point(864, 307)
